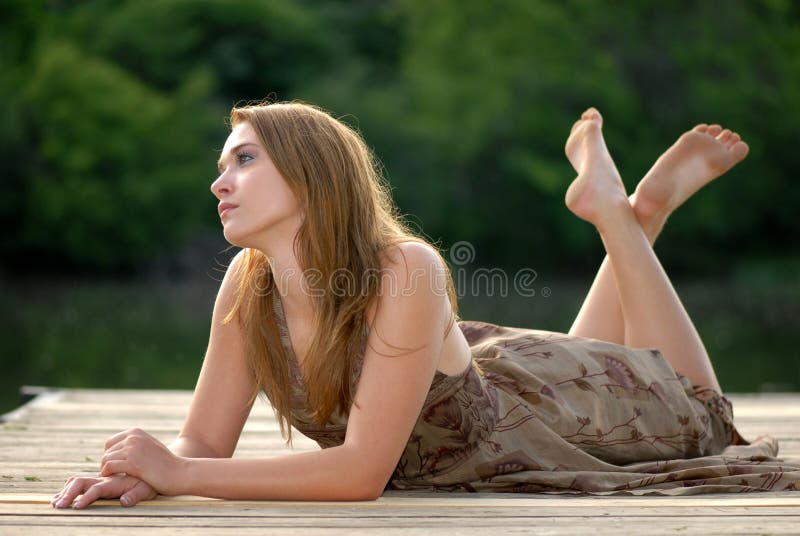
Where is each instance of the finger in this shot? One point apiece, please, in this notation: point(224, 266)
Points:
point(142, 491)
point(117, 466)
point(58, 495)
point(116, 438)
point(62, 490)
point(115, 447)
point(99, 490)
point(61, 499)
point(116, 454)
point(73, 489)
point(119, 455)
point(88, 497)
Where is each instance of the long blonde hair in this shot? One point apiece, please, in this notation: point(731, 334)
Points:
point(350, 220)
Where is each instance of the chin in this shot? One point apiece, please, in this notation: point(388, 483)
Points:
point(242, 239)
point(235, 239)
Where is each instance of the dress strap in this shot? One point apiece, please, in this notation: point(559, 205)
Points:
point(280, 321)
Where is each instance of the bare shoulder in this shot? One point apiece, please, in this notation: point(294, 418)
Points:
point(412, 294)
point(412, 249)
point(413, 263)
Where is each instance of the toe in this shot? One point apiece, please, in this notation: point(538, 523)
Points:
point(702, 128)
point(714, 130)
point(575, 125)
point(724, 136)
point(589, 127)
point(740, 150)
point(594, 115)
point(735, 138)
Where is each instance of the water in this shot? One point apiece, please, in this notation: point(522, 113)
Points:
point(153, 334)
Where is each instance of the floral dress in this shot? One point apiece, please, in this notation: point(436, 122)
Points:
point(544, 412)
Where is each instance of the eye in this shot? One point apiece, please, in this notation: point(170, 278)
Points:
point(243, 158)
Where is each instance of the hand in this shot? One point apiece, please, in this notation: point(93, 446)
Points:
point(139, 454)
point(129, 489)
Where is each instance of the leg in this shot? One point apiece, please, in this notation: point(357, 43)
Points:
point(653, 314)
point(600, 316)
point(698, 157)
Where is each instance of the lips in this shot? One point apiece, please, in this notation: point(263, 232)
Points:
point(223, 208)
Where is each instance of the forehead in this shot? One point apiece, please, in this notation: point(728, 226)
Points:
point(241, 133)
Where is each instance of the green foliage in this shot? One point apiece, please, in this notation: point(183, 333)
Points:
point(251, 47)
point(116, 177)
point(113, 112)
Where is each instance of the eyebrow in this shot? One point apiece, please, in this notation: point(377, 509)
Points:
point(232, 151)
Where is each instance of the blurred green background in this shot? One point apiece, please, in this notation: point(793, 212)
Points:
point(113, 113)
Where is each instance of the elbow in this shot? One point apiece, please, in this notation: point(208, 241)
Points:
point(366, 493)
point(366, 487)
point(368, 482)
point(375, 490)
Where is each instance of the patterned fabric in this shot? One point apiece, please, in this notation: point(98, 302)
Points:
point(544, 412)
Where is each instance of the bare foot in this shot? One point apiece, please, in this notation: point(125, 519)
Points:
point(699, 156)
point(598, 191)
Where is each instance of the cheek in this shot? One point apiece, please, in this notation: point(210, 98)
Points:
point(272, 204)
point(281, 198)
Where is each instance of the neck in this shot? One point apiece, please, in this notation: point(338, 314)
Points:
point(289, 276)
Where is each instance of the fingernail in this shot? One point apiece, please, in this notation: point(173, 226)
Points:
point(125, 500)
point(60, 503)
point(77, 505)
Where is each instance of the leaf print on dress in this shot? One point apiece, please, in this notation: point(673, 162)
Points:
point(502, 381)
point(445, 414)
point(658, 391)
point(512, 462)
point(552, 392)
point(510, 385)
point(620, 373)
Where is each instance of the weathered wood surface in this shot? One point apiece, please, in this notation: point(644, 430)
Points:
point(61, 433)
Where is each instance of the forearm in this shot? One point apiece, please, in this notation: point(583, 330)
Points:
point(330, 474)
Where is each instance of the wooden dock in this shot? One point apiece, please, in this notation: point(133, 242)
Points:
point(61, 433)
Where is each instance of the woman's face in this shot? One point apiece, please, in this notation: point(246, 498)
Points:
point(254, 197)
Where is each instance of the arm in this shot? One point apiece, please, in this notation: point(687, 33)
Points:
point(221, 401)
point(217, 413)
point(388, 401)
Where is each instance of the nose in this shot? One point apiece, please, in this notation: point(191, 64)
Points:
point(222, 186)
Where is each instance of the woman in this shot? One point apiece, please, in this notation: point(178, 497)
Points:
point(408, 402)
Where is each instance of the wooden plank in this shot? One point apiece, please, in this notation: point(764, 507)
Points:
point(494, 500)
point(477, 523)
point(552, 526)
point(342, 514)
point(52, 437)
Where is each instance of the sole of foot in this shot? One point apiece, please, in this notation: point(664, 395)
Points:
point(695, 159)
